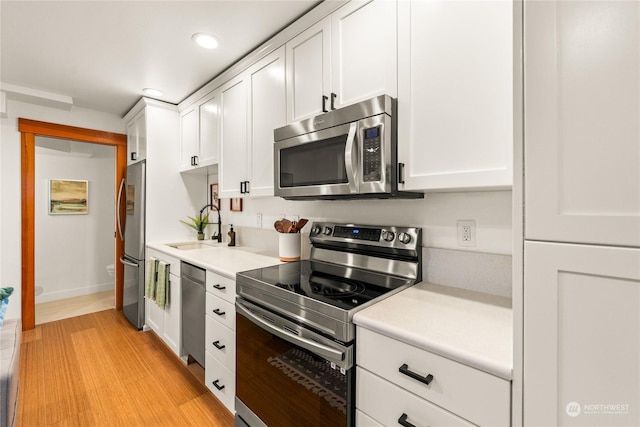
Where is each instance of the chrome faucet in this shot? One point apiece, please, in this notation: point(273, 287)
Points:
point(218, 235)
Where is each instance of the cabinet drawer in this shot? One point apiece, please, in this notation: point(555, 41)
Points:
point(474, 395)
point(386, 403)
point(363, 420)
point(174, 262)
point(216, 374)
point(222, 337)
point(222, 311)
point(221, 286)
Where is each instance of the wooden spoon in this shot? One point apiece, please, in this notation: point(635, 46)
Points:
point(300, 224)
point(278, 226)
point(286, 225)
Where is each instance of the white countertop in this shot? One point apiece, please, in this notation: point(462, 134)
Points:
point(472, 328)
point(219, 257)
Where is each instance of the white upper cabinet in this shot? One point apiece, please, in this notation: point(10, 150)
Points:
point(199, 133)
point(233, 124)
point(267, 111)
point(582, 133)
point(308, 72)
point(188, 137)
point(137, 138)
point(345, 58)
point(364, 54)
point(253, 105)
point(455, 94)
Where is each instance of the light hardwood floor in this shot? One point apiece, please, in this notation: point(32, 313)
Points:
point(97, 370)
point(72, 307)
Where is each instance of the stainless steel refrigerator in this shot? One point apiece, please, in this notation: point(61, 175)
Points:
point(131, 230)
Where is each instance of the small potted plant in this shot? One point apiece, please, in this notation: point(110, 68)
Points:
point(198, 223)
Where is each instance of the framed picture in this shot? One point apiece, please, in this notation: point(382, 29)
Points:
point(68, 197)
point(213, 194)
point(236, 205)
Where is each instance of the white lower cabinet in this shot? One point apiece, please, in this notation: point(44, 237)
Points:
point(395, 378)
point(220, 336)
point(388, 404)
point(167, 322)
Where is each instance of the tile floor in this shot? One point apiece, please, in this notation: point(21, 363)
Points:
point(72, 307)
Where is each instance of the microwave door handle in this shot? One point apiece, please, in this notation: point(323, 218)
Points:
point(350, 158)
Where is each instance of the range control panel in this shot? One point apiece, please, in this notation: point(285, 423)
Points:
point(381, 236)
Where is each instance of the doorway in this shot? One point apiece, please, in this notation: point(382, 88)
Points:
point(29, 129)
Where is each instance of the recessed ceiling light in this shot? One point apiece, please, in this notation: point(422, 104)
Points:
point(206, 41)
point(152, 92)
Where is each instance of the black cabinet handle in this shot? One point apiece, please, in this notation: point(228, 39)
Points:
point(324, 104)
point(400, 173)
point(220, 288)
point(218, 312)
point(195, 160)
point(217, 345)
point(404, 369)
point(333, 101)
point(134, 155)
point(403, 421)
point(246, 187)
point(215, 384)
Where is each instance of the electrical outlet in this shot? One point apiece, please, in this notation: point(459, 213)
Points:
point(259, 220)
point(466, 233)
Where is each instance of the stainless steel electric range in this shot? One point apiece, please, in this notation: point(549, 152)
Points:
point(295, 339)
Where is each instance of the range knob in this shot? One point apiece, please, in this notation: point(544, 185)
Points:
point(388, 236)
point(404, 238)
point(316, 229)
point(327, 231)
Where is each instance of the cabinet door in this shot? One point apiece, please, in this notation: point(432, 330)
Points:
point(172, 332)
point(154, 317)
point(455, 94)
point(363, 48)
point(233, 165)
point(581, 335)
point(188, 137)
point(141, 124)
point(267, 111)
point(132, 142)
point(308, 71)
point(209, 131)
point(582, 122)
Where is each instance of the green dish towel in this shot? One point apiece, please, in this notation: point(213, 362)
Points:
point(162, 284)
point(150, 288)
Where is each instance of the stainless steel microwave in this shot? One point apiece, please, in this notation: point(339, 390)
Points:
point(347, 153)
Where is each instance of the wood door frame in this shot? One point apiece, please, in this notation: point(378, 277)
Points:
point(29, 129)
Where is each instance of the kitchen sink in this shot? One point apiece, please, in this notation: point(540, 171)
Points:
point(188, 246)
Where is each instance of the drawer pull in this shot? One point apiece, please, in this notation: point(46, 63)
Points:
point(404, 369)
point(219, 287)
point(215, 384)
point(403, 421)
point(217, 345)
point(218, 312)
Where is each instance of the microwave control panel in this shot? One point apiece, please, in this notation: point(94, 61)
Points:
point(372, 155)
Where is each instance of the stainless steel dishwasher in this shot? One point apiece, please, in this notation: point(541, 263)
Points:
point(193, 306)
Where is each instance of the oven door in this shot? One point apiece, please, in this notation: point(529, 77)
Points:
point(287, 375)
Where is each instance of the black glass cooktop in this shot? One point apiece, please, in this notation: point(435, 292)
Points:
point(338, 286)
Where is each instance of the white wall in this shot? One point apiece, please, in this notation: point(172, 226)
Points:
point(72, 251)
point(10, 235)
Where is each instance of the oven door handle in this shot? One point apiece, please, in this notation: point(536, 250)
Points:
point(328, 353)
point(351, 159)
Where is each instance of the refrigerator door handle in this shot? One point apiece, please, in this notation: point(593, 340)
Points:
point(118, 212)
point(129, 263)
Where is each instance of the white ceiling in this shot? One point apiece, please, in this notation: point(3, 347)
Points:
point(103, 53)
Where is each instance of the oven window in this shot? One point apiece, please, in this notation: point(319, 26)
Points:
point(314, 163)
point(285, 385)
